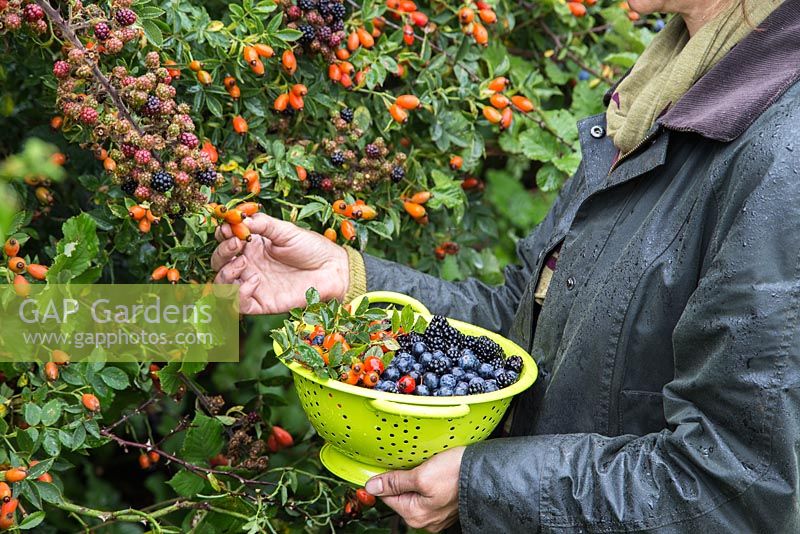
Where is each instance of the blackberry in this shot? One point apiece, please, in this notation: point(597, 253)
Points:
point(484, 348)
point(440, 335)
point(337, 26)
point(314, 180)
point(125, 17)
point(440, 365)
point(162, 181)
point(324, 33)
point(306, 5)
point(477, 386)
point(129, 187)
point(308, 33)
point(347, 115)
point(88, 115)
point(102, 31)
point(324, 8)
point(337, 159)
point(388, 386)
point(514, 363)
point(338, 11)
point(506, 379)
point(372, 150)
point(152, 106)
point(397, 174)
point(407, 341)
point(206, 177)
point(498, 362)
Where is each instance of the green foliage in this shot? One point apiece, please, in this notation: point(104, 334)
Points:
point(75, 219)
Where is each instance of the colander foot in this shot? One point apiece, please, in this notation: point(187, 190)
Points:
point(346, 468)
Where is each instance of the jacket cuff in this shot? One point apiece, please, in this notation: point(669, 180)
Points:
point(499, 486)
point(358, 275)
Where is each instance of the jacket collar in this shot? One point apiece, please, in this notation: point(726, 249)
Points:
point(753, 76)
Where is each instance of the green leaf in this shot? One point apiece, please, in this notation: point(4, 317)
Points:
point(187, 484)
point(32, 520)
point(203, 439)
point(115, 378)
point(76, 250)
point(33, 414)
point(312, 296)
point(51, 412)
point(549, 178)
point(40, 468)
point(153, 33)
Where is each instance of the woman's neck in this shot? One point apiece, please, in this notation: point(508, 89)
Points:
point(699, 13)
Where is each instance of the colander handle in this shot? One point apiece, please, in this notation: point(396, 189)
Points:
point(416, 410)
point(392, 298)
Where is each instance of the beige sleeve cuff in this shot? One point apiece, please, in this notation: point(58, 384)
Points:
point(358, 275)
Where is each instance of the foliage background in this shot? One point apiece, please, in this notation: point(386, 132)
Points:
point(561, 62)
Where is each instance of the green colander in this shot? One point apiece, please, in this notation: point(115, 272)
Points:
point(368, 432)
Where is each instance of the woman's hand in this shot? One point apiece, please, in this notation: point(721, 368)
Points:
point(425, 497)
point(278, 265)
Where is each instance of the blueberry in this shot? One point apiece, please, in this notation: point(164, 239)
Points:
point(422, 391)
point(489, 386)
point(447, 381)
point(418, 368)
point(318, 340)
point(468, 361)
point(462, 383)
point(438, 354)
point(486, 370)
point(425, 359)
point(404, 364)
point(498, 372)
point(388, 386)
point(457, 372)
point(415, 375)
point(443, 392)
point(583, 75)
point(391, 373)
point(431, 380)
point(418, 348)
point(469, 376)
point(659, 25)
point(461, 389)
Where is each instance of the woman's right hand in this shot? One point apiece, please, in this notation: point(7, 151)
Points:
point(278, 265)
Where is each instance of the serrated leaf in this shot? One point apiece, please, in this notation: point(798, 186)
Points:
point(187, 484)
point(153, 33)
point(203, 439)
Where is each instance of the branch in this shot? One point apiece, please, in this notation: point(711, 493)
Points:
point(55, 17)
point(136, 411)
point(189, 466)
point(572, 56)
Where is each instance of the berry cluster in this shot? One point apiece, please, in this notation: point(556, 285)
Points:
point(443, 362)
point(500, 111)
point(14, 15)
point(321, 23)
point(145, 136)
point(473, 17)
point(354, 172)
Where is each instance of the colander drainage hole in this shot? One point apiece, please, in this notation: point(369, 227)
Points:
point(413, 447)
point(425, 451)
point(418, 428)
point(405, 441)
point(453, 437)
point(381, 447)
point(444, 446)
point(452, 428)
point(391, 435)
point(344, 416)
point(393, 444)
point(396, 425)
point(348, 427)
point(378, 428)
point(331, 396)
point(405, 421)
point(405, 431)
point(378, 438)
point(340, 407)
point(383, 419)
point(347, 435)
point(388, 454)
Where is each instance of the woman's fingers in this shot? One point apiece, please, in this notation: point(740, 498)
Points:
point(226, 251)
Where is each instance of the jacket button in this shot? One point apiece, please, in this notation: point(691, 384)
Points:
point(570, 283)
point(598, 132)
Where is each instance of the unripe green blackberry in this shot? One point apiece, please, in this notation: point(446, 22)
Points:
point(84, 72)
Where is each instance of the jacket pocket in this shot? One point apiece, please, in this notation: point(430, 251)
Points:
point(641, 412)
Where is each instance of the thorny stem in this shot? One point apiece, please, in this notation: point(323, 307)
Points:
point(55, 17)
point(136, 411)
point(191, 467)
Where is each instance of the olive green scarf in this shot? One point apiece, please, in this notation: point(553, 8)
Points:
point(671, 64)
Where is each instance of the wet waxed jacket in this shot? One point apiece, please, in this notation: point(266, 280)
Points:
point(669, 342)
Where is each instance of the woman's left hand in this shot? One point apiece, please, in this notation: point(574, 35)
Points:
point(425, 497)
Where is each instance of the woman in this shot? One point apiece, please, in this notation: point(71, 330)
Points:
point(660, 297)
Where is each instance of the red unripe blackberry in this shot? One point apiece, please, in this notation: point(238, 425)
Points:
point(32, 13)
point(142, 157)
point(182, 179)
point(326, 184)
point(114, 45)
point(188, 139)
point(335, 40)
point(294, 12)
point(102, 31)
point(142, 192)
point(128, 150)
point(61, 69)
point(125, 17)
point(3, 4)
point(88, 115)
point(13, 21)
